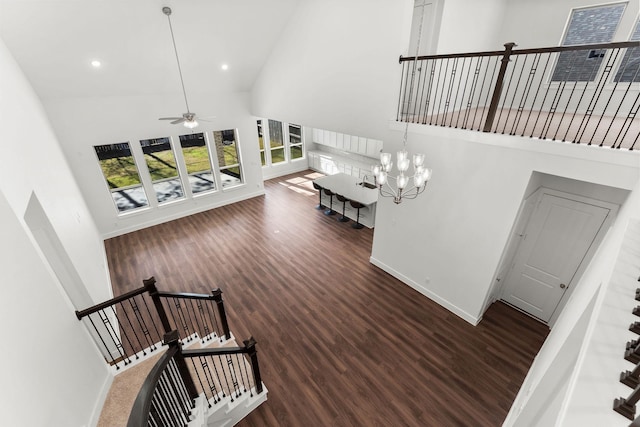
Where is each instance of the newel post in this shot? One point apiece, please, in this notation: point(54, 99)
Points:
point(250, 346)
point(217, 297)
point(172, 339)
point(497, 90)
point(150, 285)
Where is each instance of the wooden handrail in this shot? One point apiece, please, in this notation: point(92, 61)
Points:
point(598, 46)
point(142, 405)
point(82, 313)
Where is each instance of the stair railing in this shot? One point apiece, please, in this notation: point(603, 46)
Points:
point(581, 94)
point(126, 327)
point(168, 395)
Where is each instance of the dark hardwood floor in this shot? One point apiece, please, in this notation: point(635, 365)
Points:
point(340, 342)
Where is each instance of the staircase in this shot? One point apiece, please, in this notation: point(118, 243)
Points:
point(194, 374)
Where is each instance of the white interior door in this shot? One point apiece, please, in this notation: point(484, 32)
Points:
point(555, 243)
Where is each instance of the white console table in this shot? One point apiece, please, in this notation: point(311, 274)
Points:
point(348, 186)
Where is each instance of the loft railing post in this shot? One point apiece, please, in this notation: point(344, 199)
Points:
point(172, 339)
point(497, 90)
point(217, 297)
point(250, 345)
point(150, 286)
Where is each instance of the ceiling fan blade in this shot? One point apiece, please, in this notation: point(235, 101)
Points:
point(180, 120)
point(169, 118)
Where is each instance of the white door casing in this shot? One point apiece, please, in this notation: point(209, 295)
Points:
point(555, 243)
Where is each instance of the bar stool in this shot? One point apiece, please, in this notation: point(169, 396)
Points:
point(344, 201)
point(329, 210)
point(319, 188)
point(356, 205)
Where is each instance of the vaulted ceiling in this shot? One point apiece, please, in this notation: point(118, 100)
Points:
point(54, 42)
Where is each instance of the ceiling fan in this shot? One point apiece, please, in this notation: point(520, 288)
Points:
point(188, 119)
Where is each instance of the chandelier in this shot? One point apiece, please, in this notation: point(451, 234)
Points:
point(403, 186)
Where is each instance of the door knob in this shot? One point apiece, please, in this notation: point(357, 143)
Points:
point(562, 286)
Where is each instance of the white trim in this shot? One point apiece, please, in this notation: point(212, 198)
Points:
point(100, 401)
point(426, 292)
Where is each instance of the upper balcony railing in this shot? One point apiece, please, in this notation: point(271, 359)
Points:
point(587, 94)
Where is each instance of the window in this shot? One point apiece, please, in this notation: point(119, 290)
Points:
point(286, 143)
point(121, 173)
point(295, 142)
point(263, 158)
point(587, 25)
point(228, 157)
point(628, 71)
point(276, 142)
point(162, 167)
point(198, 162)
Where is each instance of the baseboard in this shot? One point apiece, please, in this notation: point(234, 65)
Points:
point(426, 292)
point(181, 214)
point(102, 398)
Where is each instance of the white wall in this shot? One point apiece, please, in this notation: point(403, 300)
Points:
point(470, 26)
point(32, 162)
point(336, 66)
point(447, 243)
point(50, 370)
point(82, 123)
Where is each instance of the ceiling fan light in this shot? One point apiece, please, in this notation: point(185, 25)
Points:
point(190, 124)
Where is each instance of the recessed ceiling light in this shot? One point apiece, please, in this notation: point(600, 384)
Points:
point(225, 67)
point(96, 64)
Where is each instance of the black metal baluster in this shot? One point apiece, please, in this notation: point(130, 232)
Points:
point(202, 387)
point(204, 362)
point(124, 333)
point(247, 384)
point(114, 336)
point(604, 78)
point(474, 85)
point(447, 101)
point(205, 327)
point(414, 97)
point(193, 318)
point(535, 97)
point(428, 102)
point(486, 109)
point(106, 349)
point(404, 96)
point(621, 69)
point(145, 332)
point(463, 102)
point(135, 334)
point(444, 77)
point(188, 305)
point(525, 92)
point(633, 110)
point(158, 335)
point(212, 317)
point(505, 94)
point(244, 378)
point(222, 385)
point(594, 101)
point(233, 375)
point(182, 318)
point(423, 77)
